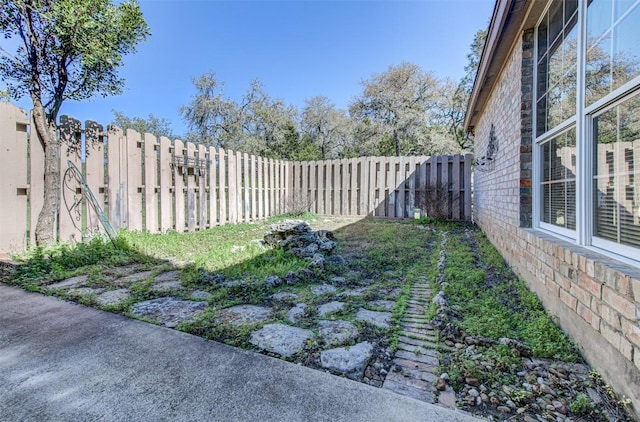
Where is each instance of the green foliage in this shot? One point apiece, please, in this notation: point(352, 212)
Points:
point(61, 260)
point(157, 126)
point(581, 405)
point(70, 48)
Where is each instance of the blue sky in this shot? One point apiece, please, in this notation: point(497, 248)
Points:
point(298, 49)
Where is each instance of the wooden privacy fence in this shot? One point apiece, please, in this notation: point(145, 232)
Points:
point(144, 183)
point(392, 187)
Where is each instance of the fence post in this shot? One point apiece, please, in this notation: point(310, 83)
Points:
point(151, 182)
point(166, 187)
point(245, 182)
point(467, 187)
point(213, 191)
point(202, 186)
point(222, 186)
point(260, 171)
point(179, 170)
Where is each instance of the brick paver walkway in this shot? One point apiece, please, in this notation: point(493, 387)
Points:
point(416, 359)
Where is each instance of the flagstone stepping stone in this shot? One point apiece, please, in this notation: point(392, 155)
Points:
point(379, 319)
point(296, 313)
point(135, 277)
point(166, 286)
point(349, 361)
point(113, 297)
point(200, 294)
point(85, 291)
point(337, 332)
point(168, 276)
point(244, 314)
point(322, 289)
point(281, 339)
point(385, 304)
point(330, 308)
point(69, 282)
point(169, 311)
point(352, 293)
point(338, 281)
point(283, 296)
point(390, 292)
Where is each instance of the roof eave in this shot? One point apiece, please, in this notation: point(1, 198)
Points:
point(506, 24)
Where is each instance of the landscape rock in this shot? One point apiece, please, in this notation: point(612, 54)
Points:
point(379, 319)
point(296, 313)
point(323, 289)
point(291, 278)
point(169, 311)
point(349, 361)
point(281, 339)
point(316, 261)
point(337, 332)
point(272, 281)
point(331, 308)
point(209, 278)
point(283, 296)
point(244, 314)
point(297, 237)
point(336, 260)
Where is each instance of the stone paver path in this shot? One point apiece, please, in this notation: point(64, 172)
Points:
point(416, 359)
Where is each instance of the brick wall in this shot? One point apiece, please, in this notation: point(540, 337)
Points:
point(596, 298)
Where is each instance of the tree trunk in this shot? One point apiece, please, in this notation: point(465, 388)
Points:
point(46, 228)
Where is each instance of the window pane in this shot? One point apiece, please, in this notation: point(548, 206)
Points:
point(598, 20)
point(557, 65)
point(613, 53)
point(617, 175)
point(622, 6)
point(541, 115)
point(542, 86)
point(598, 70)
point(542, 37)
point(558, 184)
point(555, 20)
point(570, 10)
point(626, 49)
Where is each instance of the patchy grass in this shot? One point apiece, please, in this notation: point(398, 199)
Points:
point(495, 303)
point(383, 259)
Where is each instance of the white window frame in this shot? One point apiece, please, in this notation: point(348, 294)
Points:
point(582, 120)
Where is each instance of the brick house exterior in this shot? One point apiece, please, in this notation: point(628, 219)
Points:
point(592, 289)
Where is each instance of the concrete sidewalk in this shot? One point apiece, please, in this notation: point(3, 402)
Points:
point(61, 361)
